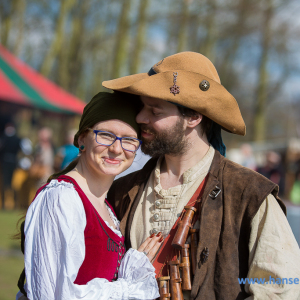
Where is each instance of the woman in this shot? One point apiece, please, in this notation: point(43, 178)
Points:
point(73, 246)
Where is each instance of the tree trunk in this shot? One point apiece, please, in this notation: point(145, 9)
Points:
point(262, 87)
point(58, 38)
point(122, 35)
point(183, 26)
point(207, 48)
point(70, 66)
point(20, 13)
point(140, 37)
point(245, 10)
point(7, 15)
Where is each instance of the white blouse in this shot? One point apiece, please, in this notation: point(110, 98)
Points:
point(55, 250)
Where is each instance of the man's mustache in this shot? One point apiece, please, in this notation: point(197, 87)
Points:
point(147, 129)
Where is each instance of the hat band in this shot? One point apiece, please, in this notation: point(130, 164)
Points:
point(151, 72)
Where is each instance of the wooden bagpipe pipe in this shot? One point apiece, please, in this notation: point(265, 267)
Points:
point(176, 261)
point(172, 286)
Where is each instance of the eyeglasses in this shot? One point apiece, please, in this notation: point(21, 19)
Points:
point(107, 139)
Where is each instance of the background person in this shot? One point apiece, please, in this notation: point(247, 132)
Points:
point(43, 157)
point(10, 146)
point(66, 153)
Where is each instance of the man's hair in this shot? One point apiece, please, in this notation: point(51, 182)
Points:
point(205, 124)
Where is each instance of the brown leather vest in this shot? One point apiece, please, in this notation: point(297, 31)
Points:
point(232, 196)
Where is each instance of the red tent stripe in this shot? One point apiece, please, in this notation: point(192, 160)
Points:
point(49, 91)
point(10, 93)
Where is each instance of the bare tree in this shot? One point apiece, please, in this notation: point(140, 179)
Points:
point(140, 36)
point(10, 11)
point(20, 10)
point(207, 46)
point(70, 56)
point(263, 78)
point(122, 36)
point(183, 25)
point(58, 36)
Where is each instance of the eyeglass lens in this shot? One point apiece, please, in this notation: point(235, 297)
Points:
point(107, 139)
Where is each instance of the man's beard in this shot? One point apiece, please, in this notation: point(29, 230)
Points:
point(171, 142)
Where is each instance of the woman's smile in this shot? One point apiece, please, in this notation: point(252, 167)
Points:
point(112, 161)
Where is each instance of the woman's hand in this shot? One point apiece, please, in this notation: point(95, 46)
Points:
point(151, 245)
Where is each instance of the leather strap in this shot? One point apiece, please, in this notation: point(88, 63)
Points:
point(166, 295)
point(184, 265)
point(166, 252)
point(177, 280)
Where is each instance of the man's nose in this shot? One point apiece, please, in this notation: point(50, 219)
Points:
point(142, 117)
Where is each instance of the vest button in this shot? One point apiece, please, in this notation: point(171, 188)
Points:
point(155, 230)
point(157, 203)
point(156, 217)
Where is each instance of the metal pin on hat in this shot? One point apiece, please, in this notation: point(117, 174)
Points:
point(174, 89)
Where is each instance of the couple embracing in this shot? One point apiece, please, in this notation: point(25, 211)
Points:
point(87, 236)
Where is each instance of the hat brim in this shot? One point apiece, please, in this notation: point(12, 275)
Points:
point(216, 103)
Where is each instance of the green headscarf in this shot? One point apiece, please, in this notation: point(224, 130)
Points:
point(107, 106)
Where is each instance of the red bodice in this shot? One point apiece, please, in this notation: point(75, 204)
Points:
point(103, 248)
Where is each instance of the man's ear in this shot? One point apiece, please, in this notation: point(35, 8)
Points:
point(194, 120)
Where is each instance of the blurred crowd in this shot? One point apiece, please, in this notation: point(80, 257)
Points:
point(281, 167)
point(24, 167)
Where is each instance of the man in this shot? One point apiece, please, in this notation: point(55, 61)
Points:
point(243, 230)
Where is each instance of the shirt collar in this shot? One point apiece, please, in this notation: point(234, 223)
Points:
point(189, 175)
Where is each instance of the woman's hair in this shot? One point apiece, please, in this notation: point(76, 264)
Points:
point(104, 106)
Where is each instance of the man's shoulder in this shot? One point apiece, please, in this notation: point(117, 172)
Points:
point(246, 181)
point(245, 189)
point(238, 171)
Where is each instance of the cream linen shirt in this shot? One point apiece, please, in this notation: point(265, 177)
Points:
point(160, 208)
point(272, 246)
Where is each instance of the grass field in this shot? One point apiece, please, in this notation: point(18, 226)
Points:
point(11, 258)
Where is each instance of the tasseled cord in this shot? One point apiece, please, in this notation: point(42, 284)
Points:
point(215, 138)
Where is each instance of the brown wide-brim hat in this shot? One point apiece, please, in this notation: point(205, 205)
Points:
point(188, 79)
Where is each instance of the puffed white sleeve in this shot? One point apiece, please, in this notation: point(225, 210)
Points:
point(139, 274)
point(55, 250)
point(274, 255)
